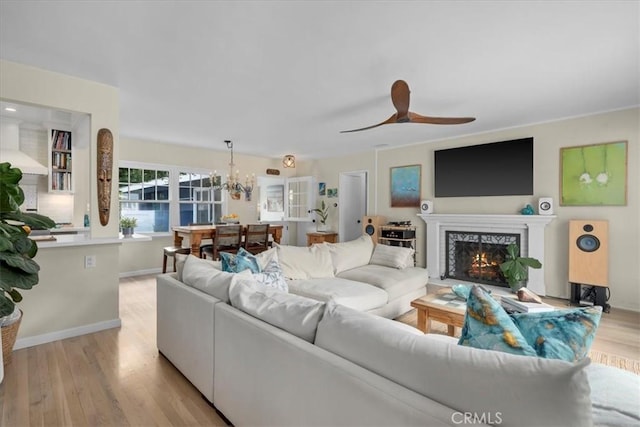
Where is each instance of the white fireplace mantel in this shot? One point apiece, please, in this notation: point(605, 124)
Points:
point(530, 228)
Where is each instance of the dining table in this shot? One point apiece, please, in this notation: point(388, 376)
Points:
point(197, 233)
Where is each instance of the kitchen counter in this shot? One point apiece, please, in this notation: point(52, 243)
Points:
point(83, 239)
point(76, 240)
point(69, 230)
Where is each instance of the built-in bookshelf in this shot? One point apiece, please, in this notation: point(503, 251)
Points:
point(60, 162)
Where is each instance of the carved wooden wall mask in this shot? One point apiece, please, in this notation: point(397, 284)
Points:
point(104, 173)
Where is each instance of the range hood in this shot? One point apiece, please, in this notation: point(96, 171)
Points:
point(10, 149)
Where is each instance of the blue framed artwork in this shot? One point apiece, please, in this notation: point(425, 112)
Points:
point(405, 186)
point(322, 188)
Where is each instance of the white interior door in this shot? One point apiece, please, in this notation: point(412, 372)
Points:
point(352, 200)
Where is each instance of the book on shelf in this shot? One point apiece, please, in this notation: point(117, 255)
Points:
point(525, 307)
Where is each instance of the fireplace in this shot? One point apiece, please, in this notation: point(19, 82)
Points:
point(529, 230)
point(476, 257)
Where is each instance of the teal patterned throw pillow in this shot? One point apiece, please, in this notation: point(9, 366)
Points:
point(560, 334)
point(242, 261)
point(487, 326)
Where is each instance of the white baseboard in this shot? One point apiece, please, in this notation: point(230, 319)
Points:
point(66, 333)
point(140, 272)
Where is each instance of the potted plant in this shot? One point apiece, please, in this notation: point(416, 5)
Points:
point(127, 224)
point(515, 268)
point(323, 214)
point(18, 270)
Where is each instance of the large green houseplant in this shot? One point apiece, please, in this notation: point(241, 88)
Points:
point(515, 268)
point(18, 270)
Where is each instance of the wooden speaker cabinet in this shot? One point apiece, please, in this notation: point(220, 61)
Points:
point(589, 252)
point(371, 225)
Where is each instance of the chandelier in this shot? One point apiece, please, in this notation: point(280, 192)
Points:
point(233, 184)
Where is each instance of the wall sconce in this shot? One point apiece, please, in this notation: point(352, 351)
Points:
point(289, 161)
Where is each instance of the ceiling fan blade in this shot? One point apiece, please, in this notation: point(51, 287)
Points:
point(400, 98)
point(417, 118)
point(391, 119)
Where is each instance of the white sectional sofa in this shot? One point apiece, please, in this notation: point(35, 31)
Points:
point(377, 279)
point(267, 357)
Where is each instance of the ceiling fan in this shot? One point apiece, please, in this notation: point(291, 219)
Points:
point(400, 98)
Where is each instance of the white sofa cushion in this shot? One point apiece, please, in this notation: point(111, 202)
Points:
point(392, 280)
point(299, 262)
point(523, 390)
point(615, 396)
point(203, 275)
point(182, 258)
point(295, 314)
point(348, 255)
point(392, 256)
point(357, 295)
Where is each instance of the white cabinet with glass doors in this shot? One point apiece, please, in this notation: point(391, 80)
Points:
point(286, 199)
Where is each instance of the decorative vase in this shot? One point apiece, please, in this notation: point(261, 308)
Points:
point(321, 226)
point(127, 232)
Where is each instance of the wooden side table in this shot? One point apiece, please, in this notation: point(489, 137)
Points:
point(321, 236)
point(442, 307)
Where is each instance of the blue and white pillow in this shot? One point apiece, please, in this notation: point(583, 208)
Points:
point(244, 260)
point(272, 276)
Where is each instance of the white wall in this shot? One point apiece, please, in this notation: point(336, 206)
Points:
point(624, 221)
point(68, 296)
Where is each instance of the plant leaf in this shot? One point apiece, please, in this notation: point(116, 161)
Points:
point(6, 305)
point(513, 250)
point(16, 278)
point(20, 261)
point(530, 262)
point(15, 295)
point(33, 220)
point(12, 194)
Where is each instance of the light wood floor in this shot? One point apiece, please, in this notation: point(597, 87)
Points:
point(109, 378)
point(117, 378)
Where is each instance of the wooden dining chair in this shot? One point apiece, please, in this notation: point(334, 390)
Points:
point(256, 238)
point(228, 238)
point(170, 252)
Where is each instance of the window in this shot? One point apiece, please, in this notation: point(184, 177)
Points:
point(199, 203)
point(150, 194)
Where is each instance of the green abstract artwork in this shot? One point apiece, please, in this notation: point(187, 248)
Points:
point(594, 175)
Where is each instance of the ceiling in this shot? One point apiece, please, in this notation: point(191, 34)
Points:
point(280, 77)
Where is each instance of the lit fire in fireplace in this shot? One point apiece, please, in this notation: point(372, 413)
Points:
point(482, 268)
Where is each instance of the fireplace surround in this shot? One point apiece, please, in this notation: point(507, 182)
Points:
point(526, 230)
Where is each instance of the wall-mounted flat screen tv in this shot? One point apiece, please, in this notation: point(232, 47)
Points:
point(496, 169)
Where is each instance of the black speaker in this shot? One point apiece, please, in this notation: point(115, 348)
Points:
point(371, 226)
